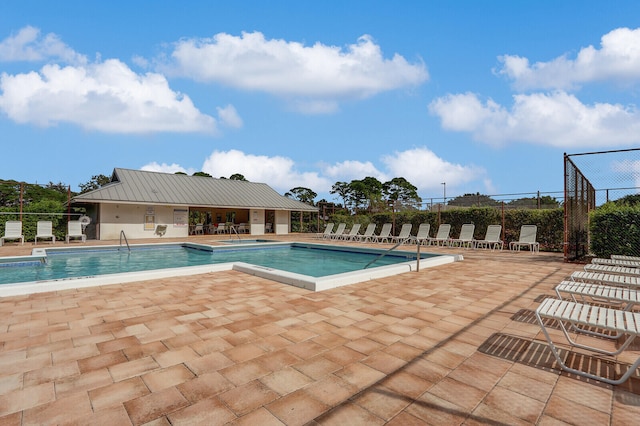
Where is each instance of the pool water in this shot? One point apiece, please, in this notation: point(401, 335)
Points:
point(305, 260)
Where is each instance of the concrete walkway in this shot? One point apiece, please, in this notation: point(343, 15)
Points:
point(455, 344)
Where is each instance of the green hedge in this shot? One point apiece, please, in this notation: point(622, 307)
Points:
point(550, 222)
point(30, 221)
point(615, 229)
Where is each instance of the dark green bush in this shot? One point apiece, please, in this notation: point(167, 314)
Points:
point(615, 229)
point(550, 222)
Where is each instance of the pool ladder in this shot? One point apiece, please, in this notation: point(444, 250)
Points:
point(398, 244)
point(125, 240)
point(233, 229)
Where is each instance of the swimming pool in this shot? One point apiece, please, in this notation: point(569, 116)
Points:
point(311, 266)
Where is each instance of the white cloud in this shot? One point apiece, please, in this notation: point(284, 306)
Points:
point(346, 171)
point(166, 168)
point(557, 119)
point(312, 77)
point(627, 170)
point(617, 60)
point(420, 166)
point(29, 45)
point(424, 169)
point(278, 172)
point(229, 117)
point(106, 96)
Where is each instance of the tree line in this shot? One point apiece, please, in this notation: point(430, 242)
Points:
point(368, 195)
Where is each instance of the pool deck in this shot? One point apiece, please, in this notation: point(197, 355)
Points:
point(453, 344)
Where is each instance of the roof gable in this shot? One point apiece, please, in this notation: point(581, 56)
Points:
point(138, 186)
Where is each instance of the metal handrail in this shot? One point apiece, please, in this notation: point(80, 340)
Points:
point(233, 229)
point(125, 240)
point(386, 252)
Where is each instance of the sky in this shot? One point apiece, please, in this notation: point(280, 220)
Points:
point(457, 97)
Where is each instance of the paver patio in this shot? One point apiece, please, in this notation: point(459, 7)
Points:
point(454, 344)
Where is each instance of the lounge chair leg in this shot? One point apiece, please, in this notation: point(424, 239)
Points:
point(568, 369)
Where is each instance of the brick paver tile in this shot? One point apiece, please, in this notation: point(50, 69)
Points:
point(343, 355)
point(83, 382)
point(133, 368)
point(204, 386)
point(485, 414)
point(10, 383)
point(175, 356)
point(248, 397)
point(244, 352)
point(101, 361)
point(117, 344)
point(359, 375)
point(349, 413)
point(383, 402)
point(286, 380)
point(261, 417)
point(51, 373)
point(331, 390)
point(384, 362)
point(297, 408)
point(60, 411)
point(167, 377)
point(240, 374)
point(145, 349)
point(152, 406)
point(117, 393)
point(527, 408)
point(206, 412)
point(110, 416)
point(212, 362)
point(317, 367)
point(406, 384)
point(26, 398)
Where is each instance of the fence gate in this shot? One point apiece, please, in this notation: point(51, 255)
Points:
point(592, 179)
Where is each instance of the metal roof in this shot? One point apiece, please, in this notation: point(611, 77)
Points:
point(142, 187)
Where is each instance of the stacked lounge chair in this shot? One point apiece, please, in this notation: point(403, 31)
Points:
point(595, 304)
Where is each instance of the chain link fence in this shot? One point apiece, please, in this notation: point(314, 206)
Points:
point(591, 180)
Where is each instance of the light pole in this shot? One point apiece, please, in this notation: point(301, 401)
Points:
point(444, 192)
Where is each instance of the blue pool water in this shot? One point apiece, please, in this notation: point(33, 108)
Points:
point(307, 260)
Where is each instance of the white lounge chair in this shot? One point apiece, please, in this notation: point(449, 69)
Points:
point(606, 279)
point(339, 231)
point(368, 233)
point(465, 239)
point(491, 239)
point(597, 293)
point(404, 235)
point(74, 230)
point(423, 233)
point(327, 231)
point(442, 236)
point(527, 239)
point(616, 262)
point(384, 235)
point(353, 232)
point(585, 316)
point(612, 269)
point(12, 231)
point(624, 257)
point(44, 230)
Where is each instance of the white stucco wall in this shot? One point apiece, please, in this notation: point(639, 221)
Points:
point(256, 221)
point(131, 219)
point(282, 222)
